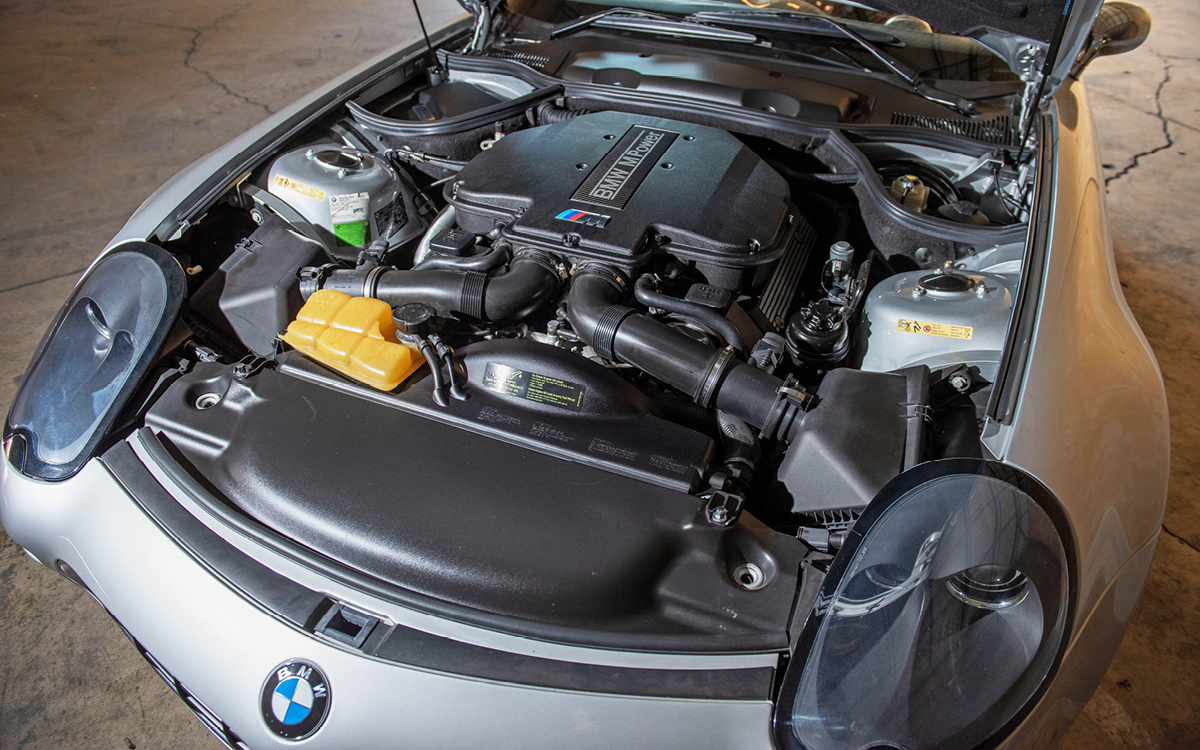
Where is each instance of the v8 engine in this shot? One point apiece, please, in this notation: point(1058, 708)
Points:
point(616, 188)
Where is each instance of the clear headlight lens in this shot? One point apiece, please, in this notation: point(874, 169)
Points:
point(92, 359)
point(941, 617)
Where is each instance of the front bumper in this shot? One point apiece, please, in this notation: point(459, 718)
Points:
point(215, 646)
point(219, 647)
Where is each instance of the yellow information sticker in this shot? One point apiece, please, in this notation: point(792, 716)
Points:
point(300, 187)
point(907, 325)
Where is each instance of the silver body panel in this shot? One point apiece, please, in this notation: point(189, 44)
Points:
point(1091, 423)
point(899, 304)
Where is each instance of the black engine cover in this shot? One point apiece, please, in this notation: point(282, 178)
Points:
point(616, 187)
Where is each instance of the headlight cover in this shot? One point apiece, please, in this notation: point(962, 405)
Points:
point(941, 619)
point(92, 359)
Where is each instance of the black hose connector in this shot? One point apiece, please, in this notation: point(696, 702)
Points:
point(645, 293)
point(456, 384)
point(741, 444)
point(550, 113)
point(435, 367)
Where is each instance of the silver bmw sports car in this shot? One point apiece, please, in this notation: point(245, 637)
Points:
point(683, 374)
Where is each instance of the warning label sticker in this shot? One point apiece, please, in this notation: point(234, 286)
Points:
point(945, 330)
point(391, 218)
point(350, 216)
point(299, 187)
point(533, 386)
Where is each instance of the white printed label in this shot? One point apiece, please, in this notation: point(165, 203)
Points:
point(349, 207)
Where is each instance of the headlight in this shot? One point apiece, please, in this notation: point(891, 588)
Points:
point(941, 618)
point(92, 359)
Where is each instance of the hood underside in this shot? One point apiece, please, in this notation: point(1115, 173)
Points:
point(1035, 37)
point(1035, 20)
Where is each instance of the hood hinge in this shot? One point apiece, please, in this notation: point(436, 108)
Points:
point(1035, 85)
point(483, 11)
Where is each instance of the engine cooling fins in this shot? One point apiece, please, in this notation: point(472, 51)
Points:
point(776, 301)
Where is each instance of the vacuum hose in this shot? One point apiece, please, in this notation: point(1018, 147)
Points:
point(644, 292)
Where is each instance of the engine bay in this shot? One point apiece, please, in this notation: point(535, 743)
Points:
point(548, 325)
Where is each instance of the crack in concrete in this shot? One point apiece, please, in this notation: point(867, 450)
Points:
point(4, 692)
point(1136, 107)
point(1166, 128)
point(1173, 535)
point(191, 50)
point(76, 272)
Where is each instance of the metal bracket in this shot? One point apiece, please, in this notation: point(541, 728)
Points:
point(917, 411)
point(723, 508)
point(251, 365)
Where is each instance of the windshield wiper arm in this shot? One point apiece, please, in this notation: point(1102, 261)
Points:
point(676, 28)
point(822, 25)
point(628, 19)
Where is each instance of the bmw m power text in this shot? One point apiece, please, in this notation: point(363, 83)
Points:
point(697, 374)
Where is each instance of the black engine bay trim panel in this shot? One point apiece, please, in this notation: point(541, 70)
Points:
point(172, 462)
point(301, 607)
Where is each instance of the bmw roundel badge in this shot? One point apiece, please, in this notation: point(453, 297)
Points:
point(295, 700)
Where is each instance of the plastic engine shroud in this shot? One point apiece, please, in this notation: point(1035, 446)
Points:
point(616, 187)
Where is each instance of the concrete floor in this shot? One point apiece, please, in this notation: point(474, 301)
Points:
point(102, 102)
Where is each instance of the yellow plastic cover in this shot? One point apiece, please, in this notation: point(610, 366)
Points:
point(355, 336)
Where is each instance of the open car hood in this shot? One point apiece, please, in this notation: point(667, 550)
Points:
point(1039, 39)
point(1035, 37)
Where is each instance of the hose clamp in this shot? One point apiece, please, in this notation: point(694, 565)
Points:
point(312, 278)
point(712, 379)
point(790, 399)
point(544, 259)
point(371, 280)
point(610, 274)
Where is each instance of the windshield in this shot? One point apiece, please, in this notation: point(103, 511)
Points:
point(931, 53)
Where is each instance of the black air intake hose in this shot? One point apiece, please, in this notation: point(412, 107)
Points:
point(711, 377)
point(532, 279)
